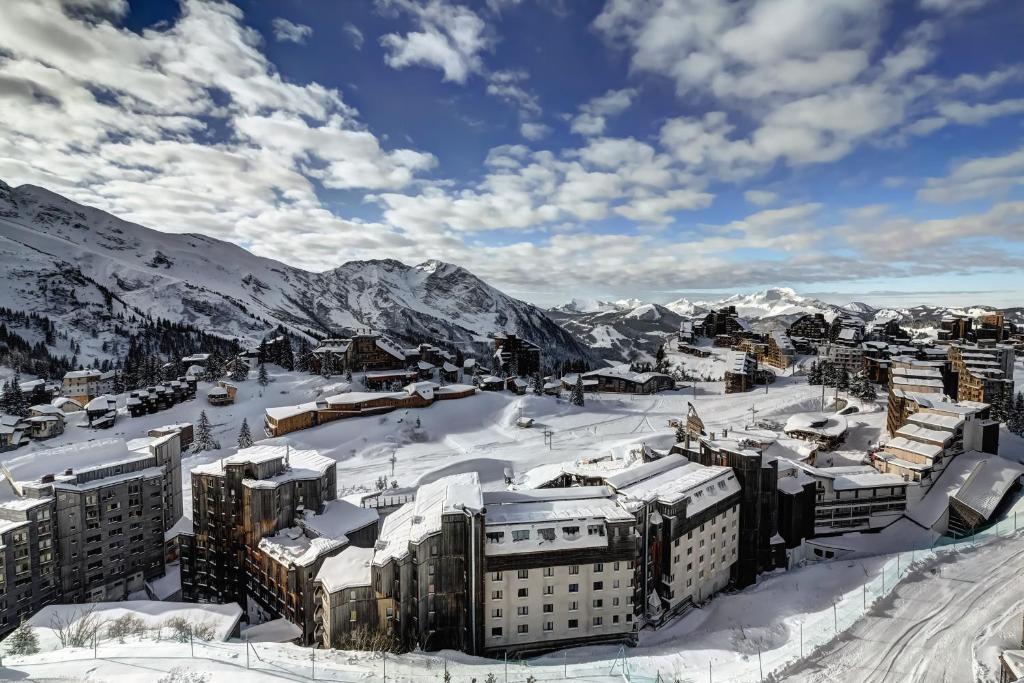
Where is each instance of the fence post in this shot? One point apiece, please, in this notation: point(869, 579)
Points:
point(385, 666)
point(565, 665)
point(760, 667)
point(246, 650)
point(835, 616)
point(709, 671)
point(191, 647)
point(312, 660)
point(801, 640)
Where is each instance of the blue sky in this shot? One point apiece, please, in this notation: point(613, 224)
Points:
point(850, 149)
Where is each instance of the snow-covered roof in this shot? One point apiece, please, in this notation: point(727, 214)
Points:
point(196, 358)
point(46, 409)
point(79, 457)
point(338, 519)
point(738, 361)
point(62, 401)
point(104, 402)
point(273, 631)
point(285, 412)
point(354, 397)
point(926, 450)
point(916, 432)
point(469, 363)
point(390, 347)
point(302, 464)
point(856, 477)
point(936, 420)
point(448, 367)
point(828, 425)
point(424, 365)
point(673, 478)
point(217, 391)
point(424, 389)
point(624, 372)
point(988, 483)
point(291, 547)
point(348, 569)
point(416, 520)
point(81, 374)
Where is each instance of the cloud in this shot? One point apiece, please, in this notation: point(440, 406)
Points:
point(507, 85)
point(952, 6)
point(533, 131)
point(354, 34)
point(449, 38)
point(287, 31)
point(592, 117)
point(761, 197)
point(979, 178)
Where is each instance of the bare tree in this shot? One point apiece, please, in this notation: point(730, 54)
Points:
point(77, 628)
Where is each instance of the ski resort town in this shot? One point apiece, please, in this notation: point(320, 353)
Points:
point(575, 539)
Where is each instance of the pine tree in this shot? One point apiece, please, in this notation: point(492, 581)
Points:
point(203, 440)
point(681, 431)
point(869, 393)
point(22, 641)
point(576, 397)
point(5, 398)
point(814, 373)
point(244, 437)
point(263, 378)
point(997, 407)
point(239, 370)
point(286, 359)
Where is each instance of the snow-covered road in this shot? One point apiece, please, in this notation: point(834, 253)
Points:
point(945, 622)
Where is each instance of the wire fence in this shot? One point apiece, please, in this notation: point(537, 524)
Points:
point(288, 662)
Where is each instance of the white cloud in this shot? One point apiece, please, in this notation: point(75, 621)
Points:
point(354, 34)
point(592, 117)
point(450, 38)
point(287, 31)
point(979, 178)
point(507, 85)
point(533, 131)
point(761, 197)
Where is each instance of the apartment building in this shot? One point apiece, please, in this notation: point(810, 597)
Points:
point(86, 521)
point(559, 570)
point(85, 385)
point(984, 371)
point(852, 498)
point(906, 385)
point(848, 356)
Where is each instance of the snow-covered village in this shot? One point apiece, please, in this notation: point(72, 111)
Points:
point(511, 341)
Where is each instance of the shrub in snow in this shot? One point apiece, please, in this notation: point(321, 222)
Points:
point(184, 675)
point(76, 628)
point(183, 631)
point(124, 626)
point(23, 641)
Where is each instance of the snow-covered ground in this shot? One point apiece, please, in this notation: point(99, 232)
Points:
point(784, 616)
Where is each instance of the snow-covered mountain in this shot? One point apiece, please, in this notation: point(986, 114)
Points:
point(91, 271)
point(576, 306)
point(769, 303)
point(621, 332)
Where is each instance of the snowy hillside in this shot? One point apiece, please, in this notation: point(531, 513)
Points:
point(83, 267)
point(622, 332)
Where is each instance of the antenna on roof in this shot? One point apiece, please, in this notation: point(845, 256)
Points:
point(287, 451)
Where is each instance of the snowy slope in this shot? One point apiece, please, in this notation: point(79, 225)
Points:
point(82, 267)
point(623, 332)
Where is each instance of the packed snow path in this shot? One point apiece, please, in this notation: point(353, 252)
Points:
point(947, 621)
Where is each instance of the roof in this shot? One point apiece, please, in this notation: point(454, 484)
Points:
point(303, 464)
point(923, 449)
point(624, 372)
point(416, 520)
point(936, 420)
point(916, 432)
point(866, 477)
point(80, 374)
point(78, 457)
point(338, 519)
point(671, 479)
point(285, 412)
point(822, 424)
point(988, 483)
point(390, 347)
point(348, 569)
point(738, 361)
point(552, 504)
point(104, 402)
point(291, 547)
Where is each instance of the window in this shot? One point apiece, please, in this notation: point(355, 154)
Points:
point(574, 623)
point(522, 611)
point(598, 621)
point(616, 567)
point(598, 567)
point(599, 585)
point(549, 571)
point(521, 535)
point(549, 590)
point(598, 603)
point(523, 628)
point(353, 616)
point(595, 530)
point(574, 569)
point(496, 576)
point(495, 536)
point(548, 608)
point(546, 534)
point(549, 626)
point(574, 588)
point(523, 573)
point(570, 531)
point(523, 592)
point(496, 613)
point(496, 632)
point(615, 583)
point(574, 605)
point(495, 595)
point(615, 602)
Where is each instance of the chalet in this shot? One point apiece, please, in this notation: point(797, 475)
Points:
point(517, 385)
point(425, 370)
point(621, 379)
point(385, 381)
point(101, 412)
point(492, 383)
point(740, 371)
point(332, 355)
point(46, 426)
point(428, 354)
point(39, 390)
point(515, 355)
point(197, 359)
point(68, 405)
point(449, 373)
point(222, 395)
point(14, 432)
